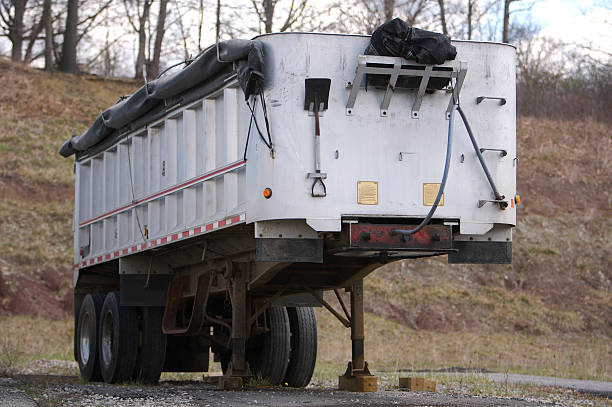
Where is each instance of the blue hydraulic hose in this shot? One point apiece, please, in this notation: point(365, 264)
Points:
point(449, 148)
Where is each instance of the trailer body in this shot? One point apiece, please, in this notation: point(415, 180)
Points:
point(198, 195)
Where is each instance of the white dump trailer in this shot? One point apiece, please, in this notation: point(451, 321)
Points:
point(215, 223)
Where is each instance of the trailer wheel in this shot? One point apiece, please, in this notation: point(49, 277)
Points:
point(303, 326)
point(118, 340)
point(86, 337)
point(151, 345)
point(268, 354)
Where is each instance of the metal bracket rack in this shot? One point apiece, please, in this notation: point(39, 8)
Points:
point(396, 67)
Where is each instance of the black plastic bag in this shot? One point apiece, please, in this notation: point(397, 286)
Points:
point(397, 39)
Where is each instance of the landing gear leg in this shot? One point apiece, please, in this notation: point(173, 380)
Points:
point(357, 376)
point(238, 367)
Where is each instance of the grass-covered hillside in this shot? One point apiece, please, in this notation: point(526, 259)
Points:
point(39, 111)
point(560, 284)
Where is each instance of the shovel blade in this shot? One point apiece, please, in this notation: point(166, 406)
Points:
point(317, 93)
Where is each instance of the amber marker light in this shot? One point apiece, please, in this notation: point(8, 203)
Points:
point(267, 193)
point(517, 199)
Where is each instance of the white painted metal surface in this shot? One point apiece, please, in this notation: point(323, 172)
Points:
point(186, 171)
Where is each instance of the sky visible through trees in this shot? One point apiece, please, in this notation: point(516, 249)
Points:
point(142, 37)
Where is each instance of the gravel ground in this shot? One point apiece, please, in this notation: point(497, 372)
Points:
point(597, 388)
point(27, 387)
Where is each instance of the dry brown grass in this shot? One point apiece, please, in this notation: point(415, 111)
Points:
point(27, 338)
point(391, 347)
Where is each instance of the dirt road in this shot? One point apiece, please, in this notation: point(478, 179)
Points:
point(50, 390)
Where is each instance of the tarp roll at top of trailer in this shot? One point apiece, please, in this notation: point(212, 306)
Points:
point(247, 55)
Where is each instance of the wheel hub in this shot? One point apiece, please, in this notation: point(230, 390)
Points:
point(84, 338)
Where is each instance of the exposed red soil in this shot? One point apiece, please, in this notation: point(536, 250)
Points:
point(25, 295)
point(12, 186)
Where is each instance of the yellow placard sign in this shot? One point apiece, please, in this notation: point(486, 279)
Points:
point(430, 191)
point(367, 192)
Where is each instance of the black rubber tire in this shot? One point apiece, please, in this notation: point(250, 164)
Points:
point(303, 326)
point(117, 340)
point(271, 357)
point(87, 324)
point(151, 346)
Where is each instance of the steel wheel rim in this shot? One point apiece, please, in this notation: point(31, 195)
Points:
point(84, 338)
point(107, 339)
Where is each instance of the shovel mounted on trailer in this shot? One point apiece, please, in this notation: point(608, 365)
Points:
point(316, 100)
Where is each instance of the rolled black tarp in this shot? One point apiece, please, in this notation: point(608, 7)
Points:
point(247, 55)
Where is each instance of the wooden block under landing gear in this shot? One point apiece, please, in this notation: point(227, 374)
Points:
point(229, 383)
point(358, 383)
point(417, 383)
point(211, 379)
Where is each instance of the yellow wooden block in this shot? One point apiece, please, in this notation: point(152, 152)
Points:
point(211, 379)
point(417, 383)
point(229, 383)
point(358, 383)
point(412, 383)
point(430, 385)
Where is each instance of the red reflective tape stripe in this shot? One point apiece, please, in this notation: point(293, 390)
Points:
point(197, 230)
point(106, 214)
point(222, 223)
point(209, 227)
point(143, 246)
point(116, 254)
point(185, 233)
point(99, 258)
point(107, 256)
point(153, 243)
point(236, 219)
point(166, 191)
point(91, 261)
point(134, 248)
point(84, 263)
point(174, 236)
point(125, 251)
point(164, 240)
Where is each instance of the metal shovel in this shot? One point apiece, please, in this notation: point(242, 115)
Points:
point(316, 100)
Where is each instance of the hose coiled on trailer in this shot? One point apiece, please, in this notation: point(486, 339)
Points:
point(449, 148)
point(498, 196)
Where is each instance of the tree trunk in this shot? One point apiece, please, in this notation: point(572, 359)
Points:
point(142, 39)
point(505, 34)
point(48, 27)
point(443, 17)
point(159, 37)
point(389, 9)
point(68, 62)
point(16, 29)
point(218, 22)
point(470, 12)
point(34, 33)
point(268, 7)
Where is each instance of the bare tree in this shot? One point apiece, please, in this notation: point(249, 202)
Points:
point(266, 12)
point(365, 15)
point(12, 14)
point(48, 27)
point(153, 68)
point(217, 23)
point(506, 20)
point(142, 12)
point(68, 61)
point(443, 17)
